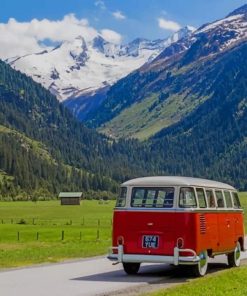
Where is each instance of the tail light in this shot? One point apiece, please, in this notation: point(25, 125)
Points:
point(120, 240)
point(180, 242)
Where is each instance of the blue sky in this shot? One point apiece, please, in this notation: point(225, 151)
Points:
point(32, 26)
point(132, 18)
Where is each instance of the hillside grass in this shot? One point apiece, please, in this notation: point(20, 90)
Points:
point(37, 147)
point(49, 232)
point(227, 282)
point(147, 117)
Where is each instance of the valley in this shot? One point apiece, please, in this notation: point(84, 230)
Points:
point(150, 121)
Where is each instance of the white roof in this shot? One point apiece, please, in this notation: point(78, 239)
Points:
point(70, 194)
point(176, 181)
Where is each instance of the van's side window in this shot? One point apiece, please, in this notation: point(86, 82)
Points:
point(187, 198)
point(220, 199)
point(121, 200)
point(228, 199)
point(236, 202)
point(201, 198)
point(210, 198)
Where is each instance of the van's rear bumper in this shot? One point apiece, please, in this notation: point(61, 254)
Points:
point(176, 259)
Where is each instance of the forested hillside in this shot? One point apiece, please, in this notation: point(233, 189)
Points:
point(212, 140)
point(76, 158)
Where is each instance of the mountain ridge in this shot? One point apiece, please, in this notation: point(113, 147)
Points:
point(79, 66)
point(156, 95)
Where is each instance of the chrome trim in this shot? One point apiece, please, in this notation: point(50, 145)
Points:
point(139, 258)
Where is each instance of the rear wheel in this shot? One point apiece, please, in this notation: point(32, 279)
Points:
point(234, 257)
point(201, 268)
point(131, 268)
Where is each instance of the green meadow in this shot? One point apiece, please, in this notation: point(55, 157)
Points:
point(48, 232)
point(227, 282)
point(45, 231)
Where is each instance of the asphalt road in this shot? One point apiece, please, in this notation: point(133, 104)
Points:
point(95, 276)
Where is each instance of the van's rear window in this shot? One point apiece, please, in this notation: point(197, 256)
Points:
point(147, 197)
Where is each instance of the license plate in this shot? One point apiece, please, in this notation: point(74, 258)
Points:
point(150, 241)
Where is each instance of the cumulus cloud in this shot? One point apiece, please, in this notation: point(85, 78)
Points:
point(119, 15)
point(168, 24)
point(111, 36)
point(20, 38)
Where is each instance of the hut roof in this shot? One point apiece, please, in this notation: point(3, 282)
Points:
point(70, 194)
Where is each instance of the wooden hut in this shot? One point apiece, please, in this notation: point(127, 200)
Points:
point(70, 198)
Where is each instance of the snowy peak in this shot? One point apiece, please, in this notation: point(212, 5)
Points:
point(224, 33)
point(78, 66)
point(209, 39)
point(100, 44)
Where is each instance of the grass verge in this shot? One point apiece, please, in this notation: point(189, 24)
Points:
point(223, 283)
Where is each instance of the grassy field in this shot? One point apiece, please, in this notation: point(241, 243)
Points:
point(228, 282)
point(48, 232)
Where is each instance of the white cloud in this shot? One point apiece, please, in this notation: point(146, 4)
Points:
point(100, 4)
point(168, 25)
point(111, 36)
point(119, 15)
point(20, 38)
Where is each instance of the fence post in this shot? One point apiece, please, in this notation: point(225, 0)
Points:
point(62, 234)
point(18, 235)
point(37, 236)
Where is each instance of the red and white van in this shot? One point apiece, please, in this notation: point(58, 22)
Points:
point(176, 220)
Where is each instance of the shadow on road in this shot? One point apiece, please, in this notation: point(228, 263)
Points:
point(150, 274)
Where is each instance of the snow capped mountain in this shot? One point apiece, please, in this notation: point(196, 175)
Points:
point(211, 38)
point(228, 30)
point(185, 75)
point(79, 67)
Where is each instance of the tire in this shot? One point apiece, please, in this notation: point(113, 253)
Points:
point(131, 268)
point(200, 269)
point(234, 257)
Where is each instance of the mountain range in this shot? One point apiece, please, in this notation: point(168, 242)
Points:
point(80, 72)
point(188, 105)
point(164, 91)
